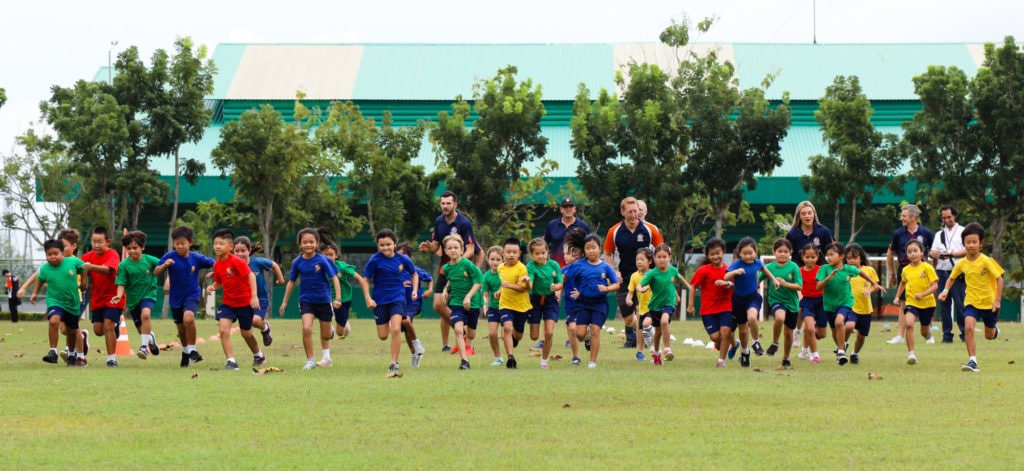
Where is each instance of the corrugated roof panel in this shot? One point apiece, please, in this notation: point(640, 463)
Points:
point(279, 71)
point(440, 72)
point(226, 58)
point(977, 52)
point(665, 57)
point(885, 70)
point(803, 142)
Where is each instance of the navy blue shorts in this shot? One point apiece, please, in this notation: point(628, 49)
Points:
point(591, 313)
point(412, 308)
point(341, 313)
point(136, 313)
point(657, 315)
point(790, 318)
point(988, 316)
point(262, 311)
point(570, 314)
point(69, 320)
point(112, 314)
point(493, 315)
point(322, 311)
point(924, 314)
point(741, 304)
point(844, 311)
point(178, 313)
point(383, 313)
point(518, 319)
point(545, 307)
point(242, 314)
point(814, 307)
point(469, 317)
point(714, 322)
point(863, 324)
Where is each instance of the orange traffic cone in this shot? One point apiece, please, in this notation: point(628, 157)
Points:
point(124, 346)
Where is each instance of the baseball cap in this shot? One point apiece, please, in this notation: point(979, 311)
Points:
point(568, 202)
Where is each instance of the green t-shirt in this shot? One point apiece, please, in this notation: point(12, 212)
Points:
point(837, 291)
point(461, 278)
point(62, 284)
point(543, 276)
point(491, 285)
point(663, 288)
point(345, 274)
point(138, 280)
point(790, 273)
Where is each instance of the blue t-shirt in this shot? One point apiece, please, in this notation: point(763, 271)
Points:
point(407, 277)
point(316, 273)
point(385, 274)
point(258, 265)
point(586, 278)
point(746, 284)
point(567, 288)
point(184, 275)
point(461, 226)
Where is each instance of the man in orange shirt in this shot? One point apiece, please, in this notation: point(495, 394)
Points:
point(625, 238)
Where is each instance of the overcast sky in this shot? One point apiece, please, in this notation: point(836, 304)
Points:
point(47, 43)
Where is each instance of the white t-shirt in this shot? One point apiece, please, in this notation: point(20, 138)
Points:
point(948, 241)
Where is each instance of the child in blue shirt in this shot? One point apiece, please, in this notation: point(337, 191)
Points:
point(746, 301)
point(316, 274)
point(383, 271)
point(592, 279)
point(413, 307)
point(182, 266)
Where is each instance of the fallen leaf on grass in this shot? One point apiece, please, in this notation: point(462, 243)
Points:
point(196, 375)
point(2, 340)
point(534, 353)
point(166, 347)
point(19, 355)
point(296, 346)
point(1012, 362)
point(872, 376)
point(557, 357)
point(566, 406)
point(270, 369)
point(780, 367)
point(621, 336)
point(394, 374)
point(779, 373)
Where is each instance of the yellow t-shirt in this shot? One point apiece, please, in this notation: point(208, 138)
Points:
point(642, 298)
point(513, 300)
point(980, 276)
point(861, 303)
point(918, 279)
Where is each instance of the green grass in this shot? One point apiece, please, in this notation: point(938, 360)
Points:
point(685, 415)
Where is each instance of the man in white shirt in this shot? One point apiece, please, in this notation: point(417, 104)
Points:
point(947, 249)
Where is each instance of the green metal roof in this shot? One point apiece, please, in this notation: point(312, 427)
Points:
point(885, 70)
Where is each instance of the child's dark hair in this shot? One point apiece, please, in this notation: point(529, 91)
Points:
point(327, 241)
point(712, 244)
point(973, 228)
point(404, 248)
point(834, 247)
point(646, 252)
point(744, 243)
point(512, 241)
point(183, 232)
point(783, 242)
point(810, 247)
point(5, 272)
point(592, 238)
point(387, 234)
point(70, 235)
point(663, 248)
point(138, 237)
point(101, 231)
point(538, 242)
point(53, 244)
point(574, 240)
point(224, 233)
point(857, 251)
point(248, 244)
point(919, 244)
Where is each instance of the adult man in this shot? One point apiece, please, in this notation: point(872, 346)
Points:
point(13, 284)
point(898, 253)
point(626, 237)
point(946, 250)
point(554, 235)
point(450, 222)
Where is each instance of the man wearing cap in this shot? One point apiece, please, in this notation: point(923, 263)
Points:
point(554, 235)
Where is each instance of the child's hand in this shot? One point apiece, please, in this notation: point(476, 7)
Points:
point(115, 299)
point(407, 283)
point(644, 289)
point(280, 311)
point(602, 288)
point(169, 262)
point(575, 294)
point(942, 296)
point(254, 302)
point(211, 289)
point(466, 303)
point(776, 282)
point(918, 296)
point(866, 293)
point(371, 304)
point(690, 309)
point(721, 283)
point(415, 295)
point(336, 304)
point(32, 299)
point(740, 271)
point(629, 300)
point(996, 303)
point(428, 293)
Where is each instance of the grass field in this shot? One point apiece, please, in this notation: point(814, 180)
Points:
point(684, 415)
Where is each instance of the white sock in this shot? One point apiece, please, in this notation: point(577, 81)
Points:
point(266, 327)
point(231, 360)
point(805, 350)
point(146, 339)
point(54, 350)
point(327, 353)
point(259, 353)
point(973, 358)
point(111, 357)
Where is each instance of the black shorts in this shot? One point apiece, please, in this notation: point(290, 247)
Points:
point(322, 311)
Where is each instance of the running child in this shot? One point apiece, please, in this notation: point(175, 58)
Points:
point(413, 308)
point(661, 281)
point(69, 238)
point(834, 279)
point(316, 275)
point(101, 264)
point(643, 322)
point(383, 271)
point(490, 286)
point(136, 280)
point(746, 301)
point(812, 309)
point(60, 274)
point(545, 280)
point(462, 294)
point(715, 300)
point(984, 295)
point(571, 255)
point(513, 298)
point(239, 301)
point(592, 280)
point(245, 250)
point(341, 314)
point(919, 281)
point(182, 266)
point(784, 300)
point(862, 307)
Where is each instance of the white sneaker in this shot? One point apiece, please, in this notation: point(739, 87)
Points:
point(418, 347)
point(804, 356)
point(325, 362)
point(543, 364)
point(591, 365)
point(911, 359)
point(310, 364)
point(415, 360)
point(930, 340)
point(895, 340)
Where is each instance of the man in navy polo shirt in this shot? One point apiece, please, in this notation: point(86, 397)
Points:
point(625, 238)
point(450, 222)
point(554, 235)
point(897, 252)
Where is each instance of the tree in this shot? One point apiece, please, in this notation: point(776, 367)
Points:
point(967, 139)
point(485, 160)
point(43, 172)
point(861, 161)
point(3, 97)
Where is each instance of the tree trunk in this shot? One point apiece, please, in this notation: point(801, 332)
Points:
point(174, 205)
point(853, 224)
point(998, 229)
point(369, 216)
point(837, 218)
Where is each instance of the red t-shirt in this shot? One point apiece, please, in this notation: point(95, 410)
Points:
point(810, 279)
point(713, 299)
point(103, 287)
point(233, 275)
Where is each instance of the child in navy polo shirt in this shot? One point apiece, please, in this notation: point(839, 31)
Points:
point(383, 271)
point(316, 275)
point(182, 266)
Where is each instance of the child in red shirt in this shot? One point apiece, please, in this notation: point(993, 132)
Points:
point(239, 300)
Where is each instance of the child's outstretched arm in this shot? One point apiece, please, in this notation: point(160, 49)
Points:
point(876, 285)
point(287, 294)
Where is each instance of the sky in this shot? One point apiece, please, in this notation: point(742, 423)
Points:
point(57, 43)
